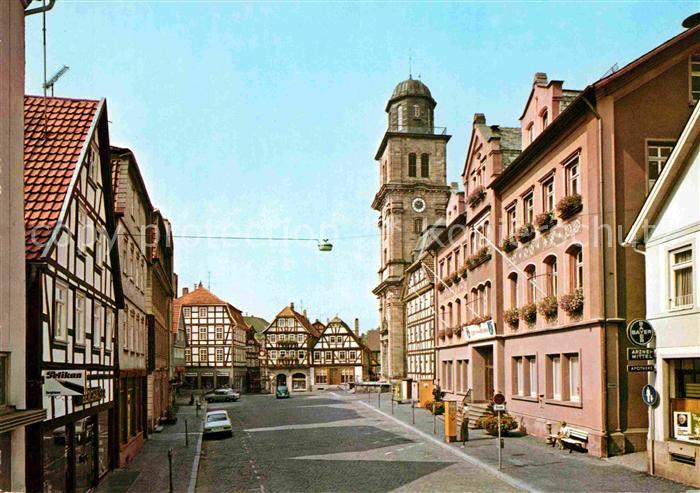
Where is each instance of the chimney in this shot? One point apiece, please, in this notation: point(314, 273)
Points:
point(304, 312)
point(479, 118)
point(291, 305)
point(185, 291)
point(540, 79)
point(357, 327)
point(454, 186)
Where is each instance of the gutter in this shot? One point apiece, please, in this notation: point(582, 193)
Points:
point(39, 10)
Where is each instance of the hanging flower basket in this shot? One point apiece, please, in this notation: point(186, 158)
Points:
point(458, 330)
point(449, 332)
point(572, 303)
point(512, 317)
point(509, 244)
point(463, 271)
point(569, 205)
point(448, 280)
point(548, 308)
point(441, 333)
point(478, 320)
point(525, 233)
point(440, 286)
point(545, 221)
point(476, 196)
point(478, 258)
point(456, 277)
point(528, 313)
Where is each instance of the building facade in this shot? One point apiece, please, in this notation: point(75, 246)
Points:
point(73, 294)
point(412, 194)
point(159, 306)
point(667, 232)
point(419, 300)
point(289, 339)
point(338, 356)
point(215, 354)
point(133, 209)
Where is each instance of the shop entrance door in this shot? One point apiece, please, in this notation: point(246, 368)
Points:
point(488, 372)
point(85, 453)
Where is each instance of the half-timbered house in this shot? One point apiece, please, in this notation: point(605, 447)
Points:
point(216, 340)
point(288, 340)
point(338, 356)
point(73, 293)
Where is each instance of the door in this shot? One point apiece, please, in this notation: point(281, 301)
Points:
point(85, 452)
point(488, 372)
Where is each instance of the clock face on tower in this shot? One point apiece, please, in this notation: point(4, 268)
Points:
point(418, 204)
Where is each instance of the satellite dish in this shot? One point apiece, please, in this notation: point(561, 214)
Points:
point(325, 246)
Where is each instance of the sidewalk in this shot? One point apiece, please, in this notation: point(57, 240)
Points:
point(528, 460)
point(149, 469)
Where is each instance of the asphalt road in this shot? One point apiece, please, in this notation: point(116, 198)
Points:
point(318, 442)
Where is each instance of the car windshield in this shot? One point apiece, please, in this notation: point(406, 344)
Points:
point(216, 417)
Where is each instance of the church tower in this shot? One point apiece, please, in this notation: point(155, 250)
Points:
point(413, 194)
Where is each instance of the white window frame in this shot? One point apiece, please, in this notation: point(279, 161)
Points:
point(80, 321)
point(519, 376)
point(206, 333)
point(556, 377)
point(187, 311)
point(573, 176)
point(657, 159)
point(219, 333)
point(399, 118)
point(532, 367)
point(529, 208)
point(61, 312)
point(97, 318)
point(674, 268)
point(574, 378)
point(219, 355)
point(548, 195)
point(109, 328)
point(512, 215)
point(81, 235)
point(202, 311)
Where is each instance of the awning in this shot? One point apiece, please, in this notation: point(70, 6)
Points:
point(15, 419)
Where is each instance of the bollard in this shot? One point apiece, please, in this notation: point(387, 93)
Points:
point(170, 469)
point(187, 438)
point(413, 411)
point(379, 398)
point(500, 444)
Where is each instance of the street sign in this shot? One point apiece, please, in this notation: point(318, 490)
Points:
point(64, 382)
point(499, 398)
point(649, 395)
point(640, 332)
point(640, 368)
point(639, 353)
point(499, 407)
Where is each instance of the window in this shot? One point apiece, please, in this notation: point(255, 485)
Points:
point(513, 283)
point(203, 356)
point(682, 278)
point(532, 367)
point(82, 229)
point(202, 334)
point(329, 356)
point(99, 248)
point(574, 378)
point(399, 119)
point(531, 288)
point(519, 376)
point(530, 133)
point(578, 269)
point(108, 331)
point(60, 315)
point(219, 355)
point(97, 317)
point(695, 77)
point(219, 333)
point(353, 355)
point(548, 195)
point(292, 354)
point(79, 319)
point(188, 355)
point(416, 111)
point(556, 377)
point(412, 165)
point(282, 322)
point(273, 354)
point(341, 355)
point(332, 339)
point(424, 165)
point(657, 155)
point(529, 209)
point(317, 356)
point(552, 275)
point(545, 119)
point(202, 312)
point(512, 223)
point(572, 177)
point(187, 311)
point(418, 225)
point(301, 354)
point(300, 337)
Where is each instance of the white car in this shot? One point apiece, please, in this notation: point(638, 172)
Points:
point(217, 422)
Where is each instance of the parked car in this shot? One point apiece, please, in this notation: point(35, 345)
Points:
point(222, 395)
point(217, 422)
point(282, 392)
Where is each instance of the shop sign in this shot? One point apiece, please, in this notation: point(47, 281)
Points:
point(686, 426)
point(649, 395)
point(639, 353)
point(481, 331)
point(93, 394)
point(64, 382)
point(640, 332)
point(640, 368)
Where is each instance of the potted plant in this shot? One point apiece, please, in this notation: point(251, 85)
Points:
point(437, 407)
point(477, 320)
point(509, 244)
point(528, 313)
point(512, 317)
point(458, 330)
point(548, 307)
point(447, 280)
point(476, 196)
point(525, 233)
point(569, 205)
point(572, 303)
point(456, 277)
point(441, 333)
point(463, 271)
point(545, 221)
point(440, 286)
point(478, 258)
point(489, 422)
point(449, 331)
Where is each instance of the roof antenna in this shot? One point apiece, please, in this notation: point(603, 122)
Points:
point(50, 83)
point(43, 24)
point(410, 64)
point(209, 280)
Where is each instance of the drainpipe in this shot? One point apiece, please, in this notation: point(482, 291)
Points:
point(603, 287)
point(39, 10)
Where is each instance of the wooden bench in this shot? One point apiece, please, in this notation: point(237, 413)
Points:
point(572, 438)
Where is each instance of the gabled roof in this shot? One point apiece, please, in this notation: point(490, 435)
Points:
point(50, 161)
point(289, 312)
point(202, 296)
point(257, 323)
point(338, 321)
point(676, 165)
point(116, 155)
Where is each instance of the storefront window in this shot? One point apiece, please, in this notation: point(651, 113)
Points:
point(55, 456)
point(85, 453)
point(685, 399)
point(103, 443)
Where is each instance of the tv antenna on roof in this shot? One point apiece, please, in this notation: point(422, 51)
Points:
point(410, 64)
point(50, 83)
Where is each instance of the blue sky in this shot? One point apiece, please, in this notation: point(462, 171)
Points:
point(262, 118)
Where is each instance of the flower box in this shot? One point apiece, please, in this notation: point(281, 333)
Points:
point(525, 233)
point(477, 195)
point(478, 320)
point(548, 308)
point(545, 221)
point(478, 258)
point(458, 330)
point(512, 317)
point(572, 303)
point(509, 244)
point(569, 205)
point(528, 313)
point(447, 280)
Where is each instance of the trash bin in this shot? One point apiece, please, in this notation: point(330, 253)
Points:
point(450, 421)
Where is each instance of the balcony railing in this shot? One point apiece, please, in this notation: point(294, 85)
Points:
point(423, 129)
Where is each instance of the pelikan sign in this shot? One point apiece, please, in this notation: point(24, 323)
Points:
point(64, 382)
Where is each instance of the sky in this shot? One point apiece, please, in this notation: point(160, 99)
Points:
point(262, 118)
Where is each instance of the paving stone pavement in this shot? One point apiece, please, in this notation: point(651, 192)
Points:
point(527, 459)
point(148, 471)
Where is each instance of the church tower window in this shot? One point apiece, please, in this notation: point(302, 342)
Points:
point(424, 165)
point(412, 165)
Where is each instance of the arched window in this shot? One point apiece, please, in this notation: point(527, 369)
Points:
point(531, 288)
point(552, 275)
point(399, 119)
point(575, 253)
point(486, 299)
point(458, 310)
point(449, 314)
point(425, 165)
point(442, 317)
point(474, 303)
point(412, 165)
point(472, 242)
point(513, 284)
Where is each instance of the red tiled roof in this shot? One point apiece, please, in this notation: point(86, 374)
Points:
point(202, 296)
point(288, 311)
point(50, 161)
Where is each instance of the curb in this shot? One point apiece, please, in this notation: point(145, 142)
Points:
point(195, 464)
point(516, 483)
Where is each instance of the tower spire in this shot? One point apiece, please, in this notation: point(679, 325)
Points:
point(410, 64)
